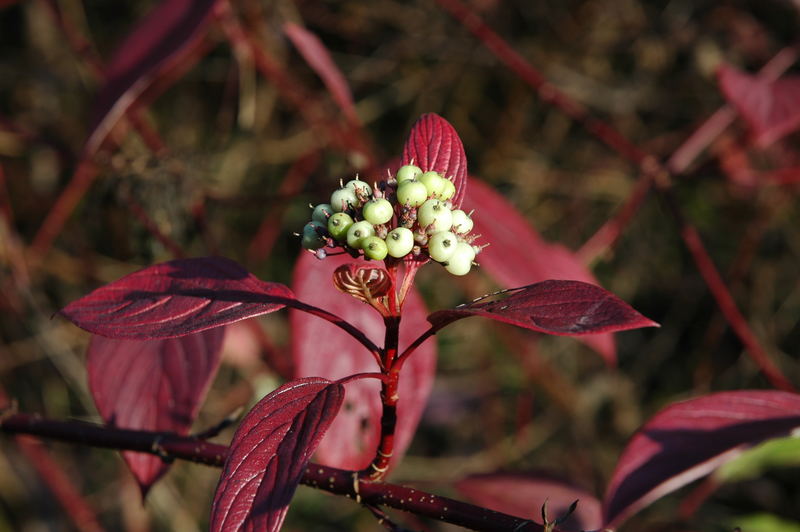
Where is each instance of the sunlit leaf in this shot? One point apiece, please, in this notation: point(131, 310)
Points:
point(176, 298)
point(269, 453)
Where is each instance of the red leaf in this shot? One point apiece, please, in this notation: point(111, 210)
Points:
point(518, 256)
point(689, 439)
point(567, 308)
point(269, 453)
point(321, 349)
point(159, 42)
point(318, 58)
point(176, 298)
point(153, 385)
point(771, 108)
point(433, 144)
point(523, 494)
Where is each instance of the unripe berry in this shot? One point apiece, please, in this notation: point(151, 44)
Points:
point(433, 182)
point(312, 236)
point(377, 211)
point(408, 172)
point(442, 245)
point(434, 216)
point(374, 248)
point(412, 193)
point(338, 224)
point(358, 232)
point(462, 223)
point(448, 191)
point(399, 242)
point(362, 190)
point(343, 198)
point(460, 261)
point(321, 213)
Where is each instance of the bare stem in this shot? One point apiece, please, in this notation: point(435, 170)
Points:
point(340, 482)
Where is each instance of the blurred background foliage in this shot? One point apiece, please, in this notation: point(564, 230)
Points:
point(646, 67)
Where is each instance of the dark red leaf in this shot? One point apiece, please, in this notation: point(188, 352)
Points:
point(771, 108)
point(321, 349)
point(318, 58)
point(568, 308)
point(689, 439)
point(153, 385)
point(433, 144)
point(269, 453)
point(176, 298)
point(517, 255)
point(523, 494)
point(159, 42)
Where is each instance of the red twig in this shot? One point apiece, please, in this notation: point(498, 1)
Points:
point(333, 480)
point(151, 226)
point(80, 513)
point(647, 165)
point(63, 207)
point(262, 243)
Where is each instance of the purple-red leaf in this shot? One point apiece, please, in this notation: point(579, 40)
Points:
point(321, 349)
point(269, 453)
point(153, 385)
point(433, 144)
point(517, 255)
point(176, 298)
point(689, 439)
point(161, 41)
point(523, 494)
point(568, 308)
point(771, 108)
point(318, 58)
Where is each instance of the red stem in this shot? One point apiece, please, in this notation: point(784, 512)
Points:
point(329, 479)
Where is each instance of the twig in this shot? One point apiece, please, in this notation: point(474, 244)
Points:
point(337, 481)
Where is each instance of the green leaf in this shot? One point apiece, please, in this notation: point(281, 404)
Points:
point(764, 523)
point(780, 452)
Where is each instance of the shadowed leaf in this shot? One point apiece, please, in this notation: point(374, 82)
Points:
point(568, 308)
point(176, 298)
point(689, 439)
point(517, 255)
point(155, 385)
point(269, 453)
point(523, 494)
point(318, 58)
point(433, 144)
point(771, 108)
point(161, 41)
point(321, 349)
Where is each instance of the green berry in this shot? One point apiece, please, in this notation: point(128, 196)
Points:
point(358, 232)
point(343, 199)
point(448, 191)
point(408, 173)
point(374, 248)
point(462, 223)
point(321, 213)
point(313, 236)
point(362, 190)
point(442, 245)
point(377, 211)
point(399, 242)
point(460, 261)
point(412, 193)
point(434, 216)
point(338, 224)
point(433, 182)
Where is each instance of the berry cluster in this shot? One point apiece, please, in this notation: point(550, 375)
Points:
point(409, 214)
